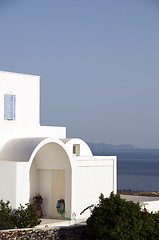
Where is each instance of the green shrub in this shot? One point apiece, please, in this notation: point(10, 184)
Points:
point(7, 219)
point(23, 217)
point(26, 217)
point(150, 229)
point(117, 219)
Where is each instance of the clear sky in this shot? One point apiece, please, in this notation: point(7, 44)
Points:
point(98, 61)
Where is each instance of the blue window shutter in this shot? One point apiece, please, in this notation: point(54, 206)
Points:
point(13, 107)
point(9, 107)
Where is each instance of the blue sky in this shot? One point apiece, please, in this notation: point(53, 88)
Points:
point(98, 62)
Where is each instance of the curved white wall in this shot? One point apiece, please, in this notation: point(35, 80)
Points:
point(84, 149)
point(49, 158)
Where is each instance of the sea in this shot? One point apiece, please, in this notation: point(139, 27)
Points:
point(137, 169)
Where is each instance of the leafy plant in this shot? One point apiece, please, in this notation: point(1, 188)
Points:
point(7, 219)
point(117, 219)
point(23, 217)
point(150, 229)
point(26, 217)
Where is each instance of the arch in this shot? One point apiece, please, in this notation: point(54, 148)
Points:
point(42, 142)
point(83, 148)
point(50, 174)
point(24, 149)
point(34, 155)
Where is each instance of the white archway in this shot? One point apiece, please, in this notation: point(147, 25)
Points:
point(51, 176)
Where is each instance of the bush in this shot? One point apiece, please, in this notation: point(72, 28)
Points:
point(26, 217)
point(115, 218)
point(23, 217)
point(150, 229)
point(7, 219)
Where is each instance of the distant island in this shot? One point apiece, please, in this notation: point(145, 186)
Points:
point(103, 146)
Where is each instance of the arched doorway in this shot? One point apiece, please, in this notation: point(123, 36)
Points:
point(50, 176)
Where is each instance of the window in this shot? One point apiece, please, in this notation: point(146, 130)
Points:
point(76, 149)
point(9, 107)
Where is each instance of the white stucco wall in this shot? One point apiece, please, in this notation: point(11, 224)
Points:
point(45, 189)
point(90, 179)
point(14, 183)
point(148, 202)
point(26, 88)
point(33, 172)
point(53, 132)
point(23, 184)
point(151, 206)
point(15, 130)
point(84, 149)
point(8, 182)
point(90, 183)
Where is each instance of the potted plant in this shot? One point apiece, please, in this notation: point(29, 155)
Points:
point(37, 201)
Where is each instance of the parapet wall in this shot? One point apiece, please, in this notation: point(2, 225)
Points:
point(62, 233)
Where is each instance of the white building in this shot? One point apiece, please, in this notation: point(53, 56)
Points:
point(40, 159)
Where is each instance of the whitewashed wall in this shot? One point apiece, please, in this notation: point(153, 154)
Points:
point(151, 206)
point(27, 89)
point(90, 179)
point(50, 157)
point(8, 182)
point(85, 178)
point(84, 149)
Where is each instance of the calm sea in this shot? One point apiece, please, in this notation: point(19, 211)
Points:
point(137, 169)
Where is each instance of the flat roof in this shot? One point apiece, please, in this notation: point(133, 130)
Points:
point(33, 75)
point(139, 199)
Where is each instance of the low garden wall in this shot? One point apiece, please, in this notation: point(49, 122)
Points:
point(77, 232)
